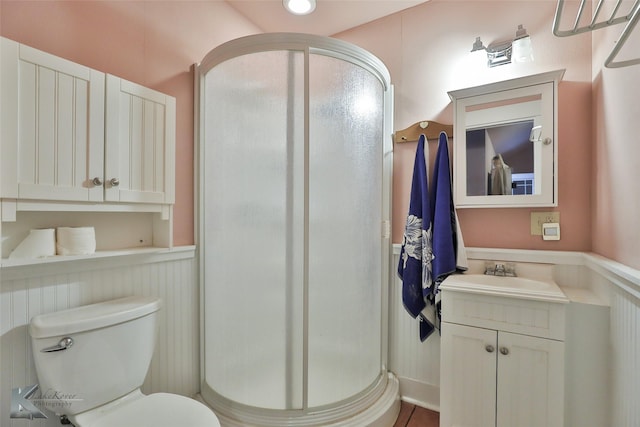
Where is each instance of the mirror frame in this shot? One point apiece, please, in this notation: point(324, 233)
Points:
point(544, 85)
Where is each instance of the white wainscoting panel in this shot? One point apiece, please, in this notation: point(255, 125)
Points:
point(175, 365)
point(415, 363)
point(625, 358)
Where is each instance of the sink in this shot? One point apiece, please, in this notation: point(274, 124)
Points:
point(522, 287)
point(512, 282)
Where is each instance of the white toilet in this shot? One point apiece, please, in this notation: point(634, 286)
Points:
point(92, 360)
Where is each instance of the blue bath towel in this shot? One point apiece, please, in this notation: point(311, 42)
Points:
point(414, 267)
point(443, 216)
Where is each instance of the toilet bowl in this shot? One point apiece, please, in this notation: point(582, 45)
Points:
point(157, 409)
point(92, 360)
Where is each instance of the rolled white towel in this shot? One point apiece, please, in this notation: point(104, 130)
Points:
point(39, 243)
point(76, 240)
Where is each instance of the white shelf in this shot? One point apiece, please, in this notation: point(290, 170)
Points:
point(17, 262)
point(25, 268)
point(115, 232)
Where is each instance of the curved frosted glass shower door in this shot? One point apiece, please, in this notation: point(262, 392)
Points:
point(294, 194)
point(254, 229)
point(345, 220)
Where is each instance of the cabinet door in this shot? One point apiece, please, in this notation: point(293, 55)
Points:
point(467, 376)
point(530, 381)
point(52, 126)
point(140, 144)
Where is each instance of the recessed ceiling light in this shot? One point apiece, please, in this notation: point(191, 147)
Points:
point(299, 7)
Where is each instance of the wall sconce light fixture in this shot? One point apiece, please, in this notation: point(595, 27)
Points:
point(299, 7)
point(499, 54)
point(516, 50)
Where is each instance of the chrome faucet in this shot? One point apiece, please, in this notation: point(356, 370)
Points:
point(500, 269)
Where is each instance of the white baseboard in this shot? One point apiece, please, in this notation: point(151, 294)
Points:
point(419, 393)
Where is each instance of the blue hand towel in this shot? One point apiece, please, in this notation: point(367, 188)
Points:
point(414, 267)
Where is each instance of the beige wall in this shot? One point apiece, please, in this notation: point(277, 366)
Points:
point(616, 156)
point(426, 48)
point(155, 43)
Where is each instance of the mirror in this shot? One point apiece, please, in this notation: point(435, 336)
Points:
point(500, 160)
point(505, 152)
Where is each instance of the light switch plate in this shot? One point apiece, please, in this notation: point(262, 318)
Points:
point(539, 218)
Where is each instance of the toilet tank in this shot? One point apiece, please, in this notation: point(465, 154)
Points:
point(112, 346)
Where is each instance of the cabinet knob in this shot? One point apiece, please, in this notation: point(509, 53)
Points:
point(96, 181)
point(504, 350)
point(114, 182)
point(489, 348)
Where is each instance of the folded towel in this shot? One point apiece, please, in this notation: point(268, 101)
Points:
point(414, 267)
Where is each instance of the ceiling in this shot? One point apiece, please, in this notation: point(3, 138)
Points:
point(329, 18)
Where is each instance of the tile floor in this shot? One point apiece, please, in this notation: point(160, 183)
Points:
point(415, 416)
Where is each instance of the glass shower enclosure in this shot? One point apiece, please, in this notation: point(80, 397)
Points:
point(294, 164)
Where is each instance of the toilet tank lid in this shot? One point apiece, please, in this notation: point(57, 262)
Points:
point(93, 316)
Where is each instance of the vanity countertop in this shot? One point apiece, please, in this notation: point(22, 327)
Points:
point(535, 288)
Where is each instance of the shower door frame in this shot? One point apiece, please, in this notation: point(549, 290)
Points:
point(308, 45)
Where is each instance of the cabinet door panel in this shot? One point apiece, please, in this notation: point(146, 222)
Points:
point(46, 123)
point(58, 125)
point(65, 165)
point(140, 137)
point(468, 376)
point(530, 381)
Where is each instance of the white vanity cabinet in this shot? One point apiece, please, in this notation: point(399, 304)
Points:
point(68, 136)
point(495, 378)
point(502, 360)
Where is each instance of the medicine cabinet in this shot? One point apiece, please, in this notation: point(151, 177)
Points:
point(506, 148)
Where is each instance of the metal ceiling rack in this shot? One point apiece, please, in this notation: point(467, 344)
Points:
point(616, 17)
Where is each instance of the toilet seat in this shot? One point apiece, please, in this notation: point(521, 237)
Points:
point(154, 410)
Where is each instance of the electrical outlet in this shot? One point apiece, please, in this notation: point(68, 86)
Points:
point(539, 218)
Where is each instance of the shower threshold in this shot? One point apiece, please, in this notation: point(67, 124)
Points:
point(377, 408)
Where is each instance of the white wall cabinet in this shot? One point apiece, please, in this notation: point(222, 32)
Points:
point(502, 361)
point(81, 142)
point(506, 146)
point(67, 136)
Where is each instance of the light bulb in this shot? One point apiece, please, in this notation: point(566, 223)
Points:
point(522, 50)
point(299, 7)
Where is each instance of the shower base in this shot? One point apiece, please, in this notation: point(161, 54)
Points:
point(377, 407)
